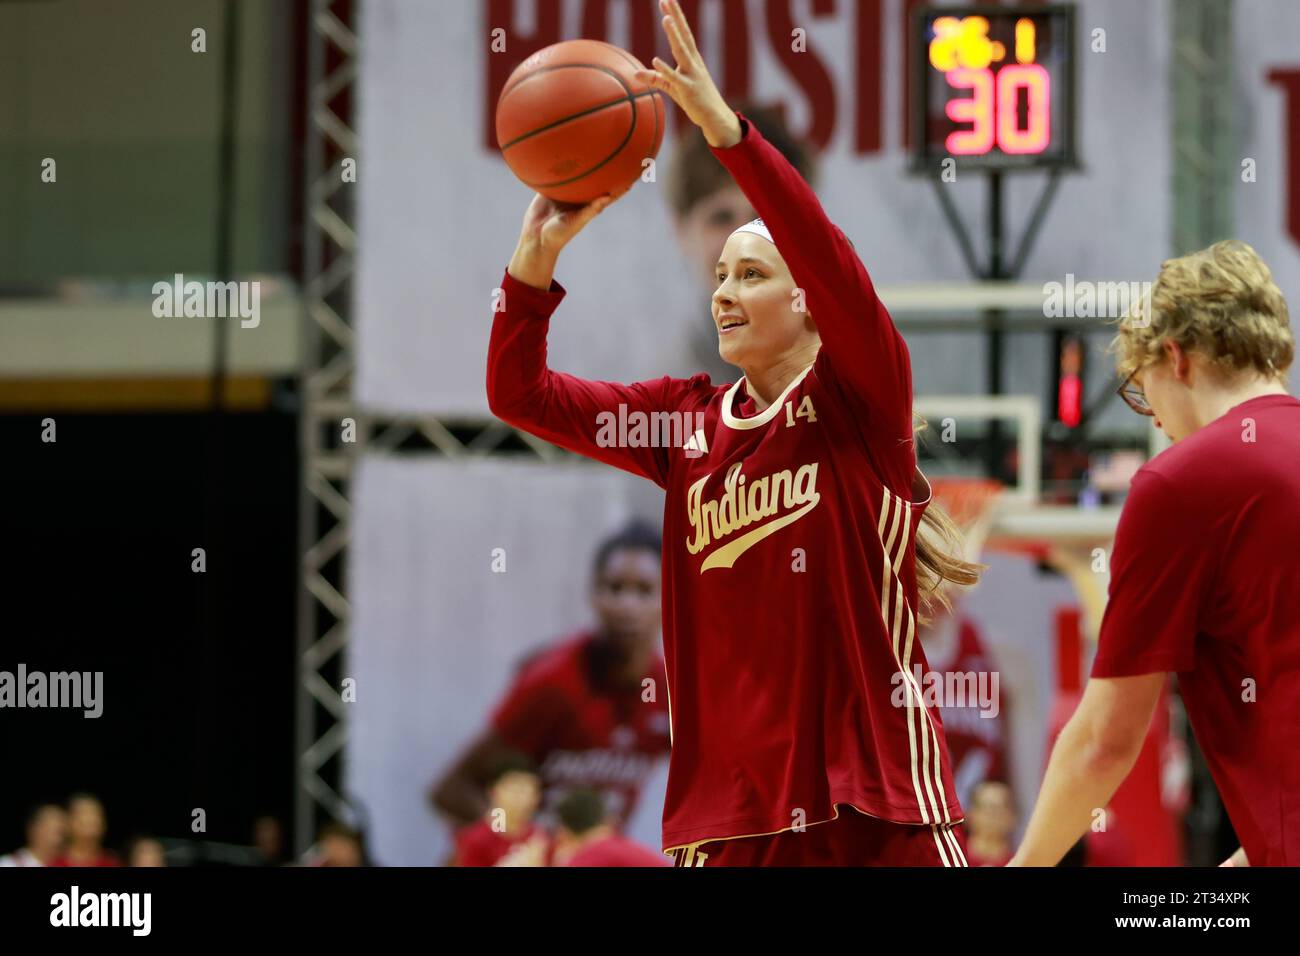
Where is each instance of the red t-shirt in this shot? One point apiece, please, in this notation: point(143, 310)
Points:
point(477, 844)
point(1205, 581)
point(582, 735)
point(617, 851)
point(789, 575)
point(973, 858)
point(104, 859)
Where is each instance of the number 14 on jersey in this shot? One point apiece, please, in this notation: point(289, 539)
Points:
point(805, 411)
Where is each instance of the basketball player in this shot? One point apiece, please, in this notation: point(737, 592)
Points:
point(792, 565)
point(580, 709)
point(1205, 566)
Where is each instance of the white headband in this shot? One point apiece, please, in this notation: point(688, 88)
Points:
point(757, 227)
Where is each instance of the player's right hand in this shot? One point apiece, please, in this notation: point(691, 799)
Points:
point(550, 225)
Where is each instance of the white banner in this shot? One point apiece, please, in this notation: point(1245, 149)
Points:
point(440, 213)
point(1267, 116)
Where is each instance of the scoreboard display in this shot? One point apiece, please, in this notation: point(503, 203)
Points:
point(993, 87)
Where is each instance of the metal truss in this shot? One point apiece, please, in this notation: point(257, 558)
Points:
point(328, 447)
point(324, 512)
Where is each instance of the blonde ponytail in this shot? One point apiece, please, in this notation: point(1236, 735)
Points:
point(940, 561)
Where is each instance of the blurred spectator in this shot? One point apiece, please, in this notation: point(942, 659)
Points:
point(339, 845)
point(86, 829)
point(514, 796)
point(990, 821)
point(46, 832)
point(268, 840)
point(707, 206)
point(145, 851)
point(586, 837)
point(590, 711)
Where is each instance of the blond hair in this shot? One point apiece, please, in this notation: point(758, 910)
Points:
point(939, 555)
point(1221, 303)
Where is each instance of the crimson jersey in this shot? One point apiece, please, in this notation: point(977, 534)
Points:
point(581, 735)
point(105, 858)
point(976, 731)
point(477, 844)
point(1204, 582)
point(616, 851)
point(789, 584)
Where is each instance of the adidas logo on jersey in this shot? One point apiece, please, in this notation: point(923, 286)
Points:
point(696, 445)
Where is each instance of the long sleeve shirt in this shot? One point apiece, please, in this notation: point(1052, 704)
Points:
point(789, 578)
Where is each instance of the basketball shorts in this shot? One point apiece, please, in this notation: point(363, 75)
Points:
point(851, 839)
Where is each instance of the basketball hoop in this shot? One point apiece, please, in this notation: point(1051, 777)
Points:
point(1063, 537)
point(971, 503)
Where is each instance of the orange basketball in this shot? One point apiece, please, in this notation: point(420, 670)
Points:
point(573, 124)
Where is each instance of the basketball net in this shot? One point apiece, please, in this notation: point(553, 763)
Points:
point(971, 503)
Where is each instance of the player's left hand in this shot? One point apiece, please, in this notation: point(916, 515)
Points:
point(689, 85)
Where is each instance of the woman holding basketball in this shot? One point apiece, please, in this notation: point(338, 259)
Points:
point(793, 567)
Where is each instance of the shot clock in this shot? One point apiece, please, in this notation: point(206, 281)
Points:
point(993, 87)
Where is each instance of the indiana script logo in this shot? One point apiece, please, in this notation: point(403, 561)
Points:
point(742, 503)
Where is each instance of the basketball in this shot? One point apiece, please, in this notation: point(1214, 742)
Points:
point(573, 124)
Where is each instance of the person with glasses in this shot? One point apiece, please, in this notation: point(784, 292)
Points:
point(1205, 565)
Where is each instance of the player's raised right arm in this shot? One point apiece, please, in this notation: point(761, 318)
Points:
point(523, 391)
point(859, 340)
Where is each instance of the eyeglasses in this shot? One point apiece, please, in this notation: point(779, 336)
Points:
point(1134, 397)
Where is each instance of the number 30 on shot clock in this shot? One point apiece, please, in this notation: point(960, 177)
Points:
point(993, 87)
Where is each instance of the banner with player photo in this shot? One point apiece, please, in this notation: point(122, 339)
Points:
point(460, 571)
